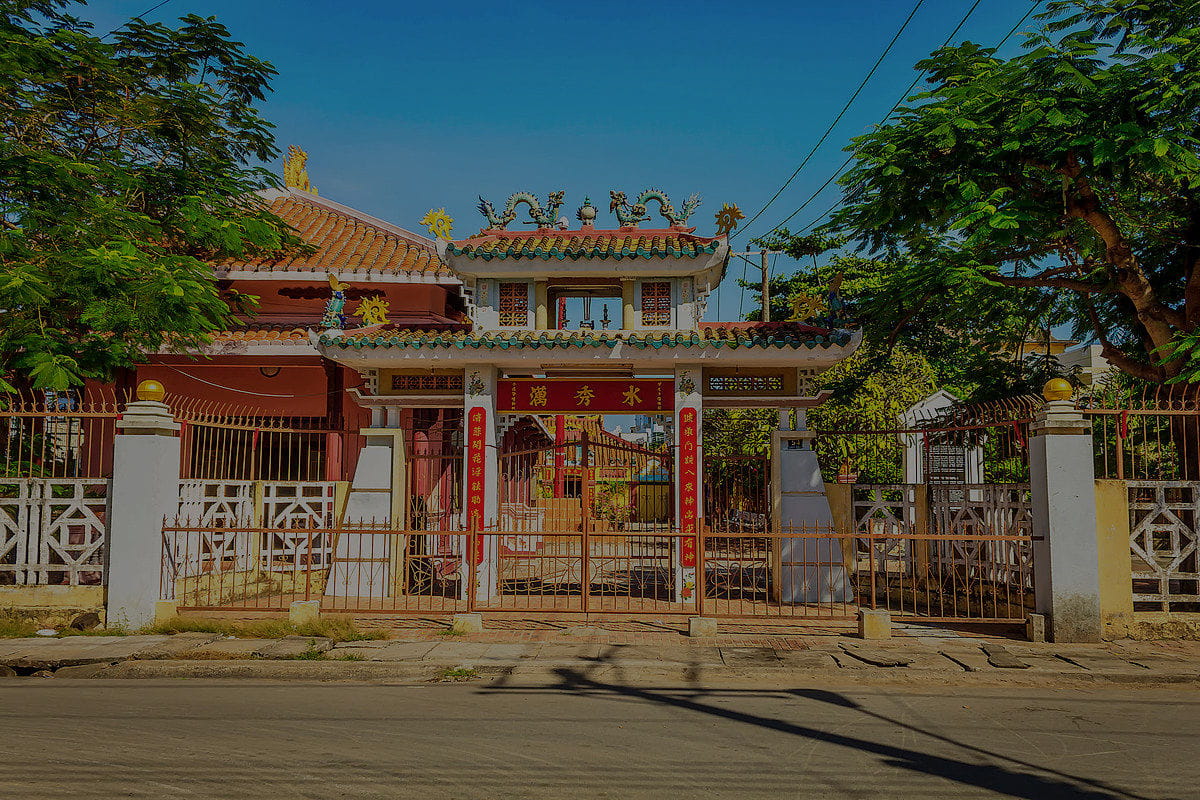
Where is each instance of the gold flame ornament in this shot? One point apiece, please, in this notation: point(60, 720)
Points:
point(373, 310)
point(727, 219)
point(295, 170)
point(807, 306)
point(439, 223)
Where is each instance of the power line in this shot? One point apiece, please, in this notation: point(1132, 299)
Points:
point(838, 118)
point(148, 11)
point(838, 172)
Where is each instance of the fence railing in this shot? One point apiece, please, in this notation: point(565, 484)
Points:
point(220, 442)
point(801, 572)
point(55, 464)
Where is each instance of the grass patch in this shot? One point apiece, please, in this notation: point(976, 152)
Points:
point(312, 653)
point(456, 675)
point(13, 625)
point(94, 632)
point(350, 657)
point(336, 629)
point(451, 632)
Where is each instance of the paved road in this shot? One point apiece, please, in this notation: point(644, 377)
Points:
point(107, 739)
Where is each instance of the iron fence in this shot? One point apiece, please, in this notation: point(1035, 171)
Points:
point(1146, 433)
point(797, 573)
point(55, 466)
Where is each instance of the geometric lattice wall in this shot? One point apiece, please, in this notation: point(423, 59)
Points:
point(1163, 537)
point(53, 531)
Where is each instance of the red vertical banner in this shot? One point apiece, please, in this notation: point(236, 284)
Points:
point(689, 483)
point(476, 473)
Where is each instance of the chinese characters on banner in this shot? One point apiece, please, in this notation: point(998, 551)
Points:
point(476, 473)
point(585, 396)
point(689, 481)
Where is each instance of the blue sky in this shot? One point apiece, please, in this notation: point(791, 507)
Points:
point(404, 106)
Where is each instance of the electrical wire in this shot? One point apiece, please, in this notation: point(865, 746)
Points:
point(150, 10)
point(904, 96)
point(838, 118)
point(253, 394)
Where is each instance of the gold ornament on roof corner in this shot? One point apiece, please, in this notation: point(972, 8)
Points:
point(373, 310)
point(806, 306)
point(295, 171)
point(439, 223)
point(727, 219)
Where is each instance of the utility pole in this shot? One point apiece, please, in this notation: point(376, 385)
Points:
point(766, 278)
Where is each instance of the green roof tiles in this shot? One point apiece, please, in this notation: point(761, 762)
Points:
point(585, 244)
point(732, 337)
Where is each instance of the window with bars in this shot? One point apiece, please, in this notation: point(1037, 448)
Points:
point(656, 303)
point(514, 304)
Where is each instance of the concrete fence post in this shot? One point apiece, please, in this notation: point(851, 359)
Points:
point(145, 489)
point(1066, 553)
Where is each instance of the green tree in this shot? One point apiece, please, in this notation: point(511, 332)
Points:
point(1065, 178)
point(124, 173)
point(868, 392)
point(974, 349)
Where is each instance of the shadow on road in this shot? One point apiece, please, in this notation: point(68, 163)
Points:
point(1012, 778)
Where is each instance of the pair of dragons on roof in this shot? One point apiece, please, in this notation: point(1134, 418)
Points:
point(627, 215)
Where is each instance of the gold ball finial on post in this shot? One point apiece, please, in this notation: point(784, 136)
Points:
point(151, 390)
point(1057, 389)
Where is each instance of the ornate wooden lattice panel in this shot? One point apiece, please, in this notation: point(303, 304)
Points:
point(53, 531)
point(1163, 536)
point(1001, 509)
point(887, 510)
point(305, 507)
point(216, 503)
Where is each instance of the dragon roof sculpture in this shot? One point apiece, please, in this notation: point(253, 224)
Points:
point(542, 217)
point(630, 215)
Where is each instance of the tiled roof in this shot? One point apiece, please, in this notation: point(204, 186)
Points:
point(345, 241)
point(263, 336)
point(757, 335)
point(575, 245)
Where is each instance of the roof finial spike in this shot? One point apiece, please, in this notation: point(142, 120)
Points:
point(295, 171)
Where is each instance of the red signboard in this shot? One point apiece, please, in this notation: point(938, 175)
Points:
point(476, 472)
point(689, 483)
point(584, 396)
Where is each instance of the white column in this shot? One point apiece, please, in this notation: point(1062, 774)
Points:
point(481, 471)
point(361, 565)
point(1065, 551)
point(145, 490)
point(689, 476)
point(811, 568)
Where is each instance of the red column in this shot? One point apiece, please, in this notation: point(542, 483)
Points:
point(560, 455)
point(689, 483)
point(476, 473)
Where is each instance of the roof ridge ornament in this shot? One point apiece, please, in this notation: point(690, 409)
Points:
point(542, 217)
point(629, 216)
point(727, 218)
point(295, 171)
point(439, 223)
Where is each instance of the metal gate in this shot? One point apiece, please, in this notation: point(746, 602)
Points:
point(585, 525)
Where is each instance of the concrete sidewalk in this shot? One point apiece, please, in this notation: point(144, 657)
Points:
point(929, 657)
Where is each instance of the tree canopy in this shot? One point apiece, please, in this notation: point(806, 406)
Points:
point(1065, 178)
point(977, 351)
point(125, 171)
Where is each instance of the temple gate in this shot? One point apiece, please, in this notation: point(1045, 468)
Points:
point(564, 506)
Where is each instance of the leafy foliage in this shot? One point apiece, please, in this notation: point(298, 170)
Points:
point(123, 174)
point(972, 349)
point(1064, 179)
